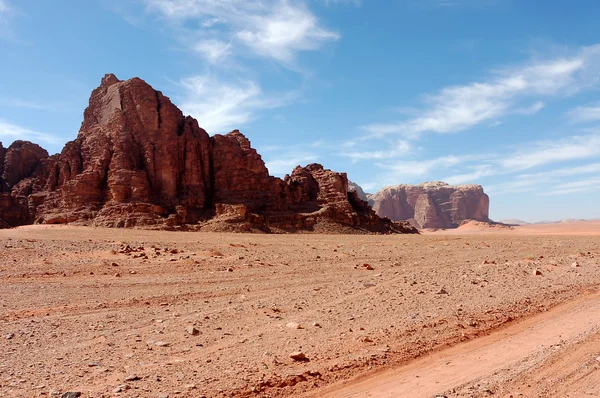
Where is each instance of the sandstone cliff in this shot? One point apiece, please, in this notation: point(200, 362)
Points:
point(138, 161)
point(432, 204)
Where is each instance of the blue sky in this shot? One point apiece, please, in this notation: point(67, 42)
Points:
point(502, 93)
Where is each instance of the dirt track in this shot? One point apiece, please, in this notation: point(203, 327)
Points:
point(106, 312)
point(567, 335)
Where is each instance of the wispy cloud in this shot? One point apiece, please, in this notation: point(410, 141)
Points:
point(532, 109)
point(583, 114)
point(458, 108)
point(28, 104)
point(221, 106)
point(213, 50)
point(10, 132)
point(400, 148)
point(6, 14)
point(411, 169)
point(285, 163)
point(274, 29)
point(544, 152)
point(586, 185)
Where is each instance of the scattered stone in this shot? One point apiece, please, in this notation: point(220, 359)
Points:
point(293, 325)
point(441, 291)
point(71, 394)
point(163, 395)
point(192, 330)
point(472, 323)
point(10, 336)
point(115, 264)
point(368, 267)
point(117, 275)
point(575, 264)
point(132, 378)
point(298, 356)
point(316, 324)
point(537, 272)
point(162, 344)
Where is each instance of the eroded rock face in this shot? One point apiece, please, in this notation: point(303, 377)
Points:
point(21, 166)
point(432, 205)
point(138, 161)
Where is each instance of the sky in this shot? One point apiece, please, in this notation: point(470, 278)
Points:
point(502, 93)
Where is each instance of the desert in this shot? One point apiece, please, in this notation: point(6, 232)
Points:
point(299, 198)
point(139, 313)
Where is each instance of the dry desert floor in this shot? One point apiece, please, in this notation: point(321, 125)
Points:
point(473, 312)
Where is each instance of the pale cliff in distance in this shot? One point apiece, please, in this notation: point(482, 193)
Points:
point(432, 204)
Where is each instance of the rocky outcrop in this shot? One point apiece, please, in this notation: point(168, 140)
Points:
point(432, 204)
point(21, 168)
point(138, 161)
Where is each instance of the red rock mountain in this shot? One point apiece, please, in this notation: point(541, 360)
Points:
point(432, 204)
point(138, 161)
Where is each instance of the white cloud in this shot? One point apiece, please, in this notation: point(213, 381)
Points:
point(457, 108)
point(224, 106)
point(284, 31)
point(589, 113)
point(10, 132)
point(213, 50)
point(274, 29)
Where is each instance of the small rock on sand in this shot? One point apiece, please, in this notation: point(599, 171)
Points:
point(71, 394)
point(192, 330)
point(298, 356)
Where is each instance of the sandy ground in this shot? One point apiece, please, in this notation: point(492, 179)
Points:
point(112, 312)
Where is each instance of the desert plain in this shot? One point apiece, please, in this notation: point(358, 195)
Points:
point(473, 312)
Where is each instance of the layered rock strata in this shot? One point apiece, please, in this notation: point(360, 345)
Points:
point(432, 204)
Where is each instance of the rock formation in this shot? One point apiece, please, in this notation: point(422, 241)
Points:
point(139, 162)
point(432, 204)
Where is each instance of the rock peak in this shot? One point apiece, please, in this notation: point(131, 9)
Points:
point(109, 79)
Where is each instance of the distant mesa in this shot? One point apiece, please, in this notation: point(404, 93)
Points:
point(432, 204)
point(139, 162)
point(513, 222)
